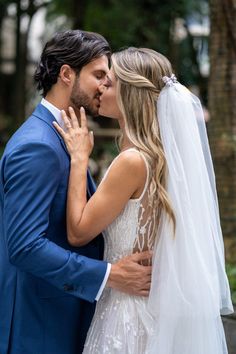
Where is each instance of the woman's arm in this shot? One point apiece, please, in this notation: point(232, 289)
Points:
point(125, 179)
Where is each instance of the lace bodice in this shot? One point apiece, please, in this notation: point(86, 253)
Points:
point(134, 229)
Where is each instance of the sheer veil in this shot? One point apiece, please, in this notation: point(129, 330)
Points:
point(189, 285)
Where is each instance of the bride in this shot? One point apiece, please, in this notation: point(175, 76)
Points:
point(158, 194)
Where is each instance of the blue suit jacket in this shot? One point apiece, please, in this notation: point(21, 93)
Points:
point(47, 287)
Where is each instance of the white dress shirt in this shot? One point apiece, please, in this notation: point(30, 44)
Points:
point(57, 115)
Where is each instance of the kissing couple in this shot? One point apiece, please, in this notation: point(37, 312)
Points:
point(145, 246)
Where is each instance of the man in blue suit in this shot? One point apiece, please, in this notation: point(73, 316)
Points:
point(48, 288)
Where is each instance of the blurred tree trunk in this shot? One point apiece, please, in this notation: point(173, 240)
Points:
point(2, 15)
point(78, 13)
point(3, 7)
point(20, 70)
point(21, 58)
point(222, 105)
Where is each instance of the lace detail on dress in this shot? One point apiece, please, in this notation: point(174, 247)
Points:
point(147, 224)
point(147, 216)
point(122, 323)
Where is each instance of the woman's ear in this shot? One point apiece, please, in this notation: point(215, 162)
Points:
point(67, 75)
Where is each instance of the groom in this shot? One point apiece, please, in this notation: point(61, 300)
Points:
point(47, 287)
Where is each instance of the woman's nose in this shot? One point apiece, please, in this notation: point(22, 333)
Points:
point(101, 88)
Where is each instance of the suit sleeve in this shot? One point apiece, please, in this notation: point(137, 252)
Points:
point(31, 175)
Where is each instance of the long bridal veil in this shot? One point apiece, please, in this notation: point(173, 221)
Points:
point(189, 285)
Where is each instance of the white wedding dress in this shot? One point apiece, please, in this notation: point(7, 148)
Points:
point(122, 323)
point(189, 288)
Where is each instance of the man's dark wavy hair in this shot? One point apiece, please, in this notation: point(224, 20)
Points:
point(76, 48)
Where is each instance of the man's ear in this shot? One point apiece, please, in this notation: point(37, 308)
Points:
point(67, 75)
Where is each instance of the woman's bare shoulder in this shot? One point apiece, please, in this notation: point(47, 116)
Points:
point(129, 163)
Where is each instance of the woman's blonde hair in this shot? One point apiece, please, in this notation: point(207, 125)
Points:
point(139, 73)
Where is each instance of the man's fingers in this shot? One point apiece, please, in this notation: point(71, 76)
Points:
point(147, 269)
point(144, 293)
point(83, 118)
point(129, 276)
point(74, 119)
point(146, 255)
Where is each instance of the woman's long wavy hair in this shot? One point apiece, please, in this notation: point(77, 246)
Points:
point(139, 73)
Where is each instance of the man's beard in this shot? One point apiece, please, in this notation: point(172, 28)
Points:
point(79, 98)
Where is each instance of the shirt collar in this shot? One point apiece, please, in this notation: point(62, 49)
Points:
point(54, 110)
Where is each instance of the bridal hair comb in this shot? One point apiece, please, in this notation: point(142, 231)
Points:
point(169, 81)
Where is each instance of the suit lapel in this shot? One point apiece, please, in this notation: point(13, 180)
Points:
point(44, 114)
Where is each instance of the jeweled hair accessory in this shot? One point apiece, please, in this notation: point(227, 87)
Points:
point(170, 81)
